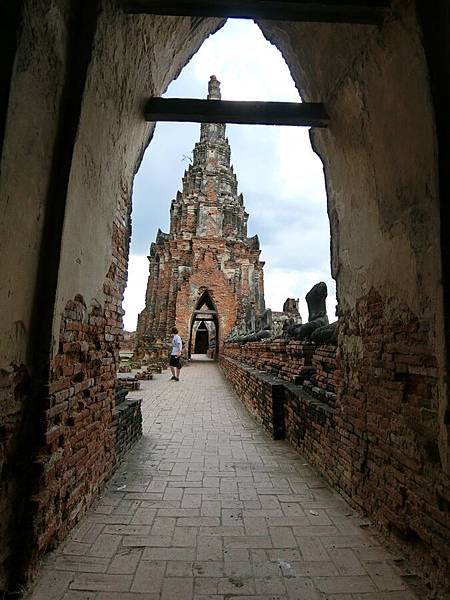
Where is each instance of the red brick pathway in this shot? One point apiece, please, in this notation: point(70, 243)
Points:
point(207, 507)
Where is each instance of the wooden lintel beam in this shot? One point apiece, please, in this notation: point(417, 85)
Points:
point(368, 12)
point(196, 319)
point(235, 111)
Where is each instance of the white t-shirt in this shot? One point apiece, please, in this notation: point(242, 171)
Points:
point(176, 345)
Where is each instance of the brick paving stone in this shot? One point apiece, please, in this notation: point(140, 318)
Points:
point(205, 586)
point(52, 585)
point(179, 569)
point(385, 578)
point(87, 532)
point(347, 562)
point(169, 554)
point(149, 577)
point(177, 588)
point(82, 564)
point(125, 561)
point(140, 541)
point(105, 546)
point(74, 548)
point(209, 548)
point(75, 595)
point(143, 516)
point(163, 526)
point(345, 584)
point(302, 588)
point(282, 537)
point(185, 536)
point(209, 569)
point(256, 526)
point(213, 509)
point(102, 582)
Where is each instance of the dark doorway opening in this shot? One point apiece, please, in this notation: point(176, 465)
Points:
point(201, 345)
point(203, 336)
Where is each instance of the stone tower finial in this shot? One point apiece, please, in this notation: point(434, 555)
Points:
point(214, 88)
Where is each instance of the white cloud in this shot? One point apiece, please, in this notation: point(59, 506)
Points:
point(134, 297)
point(300, 170)
point(248, 66)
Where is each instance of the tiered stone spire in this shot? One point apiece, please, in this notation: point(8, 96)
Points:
point(209, 204)
point(207, 252)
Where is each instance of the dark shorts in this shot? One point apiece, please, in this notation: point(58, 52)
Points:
point(175, 362)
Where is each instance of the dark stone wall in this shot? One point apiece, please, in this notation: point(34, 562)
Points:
point(127, 425)
point(261, 393)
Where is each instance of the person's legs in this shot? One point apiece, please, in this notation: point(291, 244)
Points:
point(172, 366)
point(177, 364)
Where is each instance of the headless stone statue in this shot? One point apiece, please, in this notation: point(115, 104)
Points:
point(264, 325)
point(258, 326)
point(250, 320)
point(328, 334)
point(317, 313)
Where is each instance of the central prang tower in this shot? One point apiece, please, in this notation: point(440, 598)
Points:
point(206, 273)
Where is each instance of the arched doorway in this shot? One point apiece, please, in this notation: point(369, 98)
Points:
point(203, 335)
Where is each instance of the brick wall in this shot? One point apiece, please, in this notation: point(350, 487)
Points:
point(387, 416)
point(82, 442)
point(322, 381)
point(127, 421)
point(310, 427)
point(288, 360)
point(262, 394)
point(206, 275)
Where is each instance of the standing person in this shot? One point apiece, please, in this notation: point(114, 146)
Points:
point(174, 362)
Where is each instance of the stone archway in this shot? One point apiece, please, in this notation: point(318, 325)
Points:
point(90, 73)
point(204, 339)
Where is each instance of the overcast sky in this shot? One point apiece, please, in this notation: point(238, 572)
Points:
point(278, 173)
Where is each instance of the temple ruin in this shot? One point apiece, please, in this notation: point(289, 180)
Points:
point(204, 275)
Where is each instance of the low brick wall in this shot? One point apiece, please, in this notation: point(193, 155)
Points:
point(296, 362)
point(310, 427)
point(287, 411)
point(261, 393)
point(288, 360)
point(127, 422)
point(322, 380)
